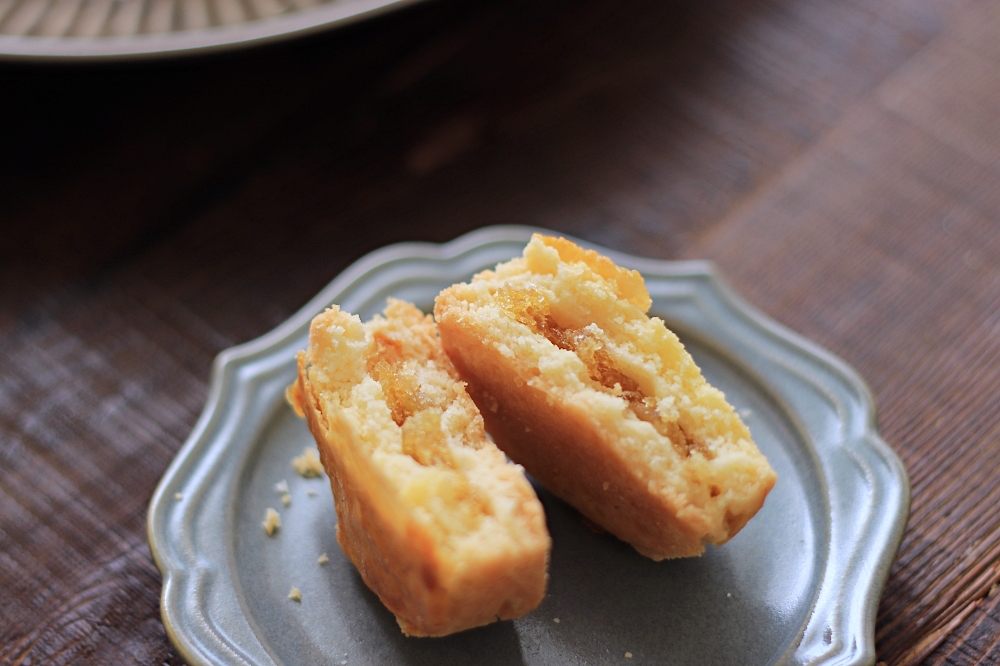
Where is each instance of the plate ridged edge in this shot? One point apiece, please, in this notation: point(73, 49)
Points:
point(863, 540)
point(840, 630)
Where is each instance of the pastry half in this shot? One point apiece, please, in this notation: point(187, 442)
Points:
point(600, 402)
point(445, 530)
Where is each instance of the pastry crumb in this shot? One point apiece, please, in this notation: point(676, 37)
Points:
point(628, 655)
point(272, 521)
point(322, 559)
point(178, 496)
point(286, 499)
point(281, 487)
point(308, 464)
point(556, 620)
point(295, 594)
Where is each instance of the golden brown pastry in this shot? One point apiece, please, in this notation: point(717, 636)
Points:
point(447, 532)
point(600, 402)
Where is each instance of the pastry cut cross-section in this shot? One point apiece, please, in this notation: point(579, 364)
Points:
point(447, 532)
point(600, 402)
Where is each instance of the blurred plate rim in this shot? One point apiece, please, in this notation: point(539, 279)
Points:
point(245, 34)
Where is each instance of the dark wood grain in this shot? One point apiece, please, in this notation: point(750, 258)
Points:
point(838, 160)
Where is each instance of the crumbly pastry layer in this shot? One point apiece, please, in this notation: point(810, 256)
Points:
point(600, 402)
point(445, 530)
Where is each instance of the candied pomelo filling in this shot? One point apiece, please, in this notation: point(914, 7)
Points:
point(528, 306)
point(443, 489)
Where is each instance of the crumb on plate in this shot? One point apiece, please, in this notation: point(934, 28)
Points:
point(308, 464)
point(322, 559)
point(295, 594)
point(272, 521)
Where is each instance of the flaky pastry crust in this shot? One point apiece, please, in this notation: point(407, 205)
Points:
point(600, 402)
point(439, 568)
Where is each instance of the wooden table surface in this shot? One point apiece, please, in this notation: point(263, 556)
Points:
point(839, 160)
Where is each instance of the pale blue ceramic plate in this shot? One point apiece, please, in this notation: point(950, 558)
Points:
point(799, 585)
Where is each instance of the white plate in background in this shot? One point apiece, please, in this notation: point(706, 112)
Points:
point(54, 30)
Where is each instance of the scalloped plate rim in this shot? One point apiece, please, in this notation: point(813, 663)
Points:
point(876, 559)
